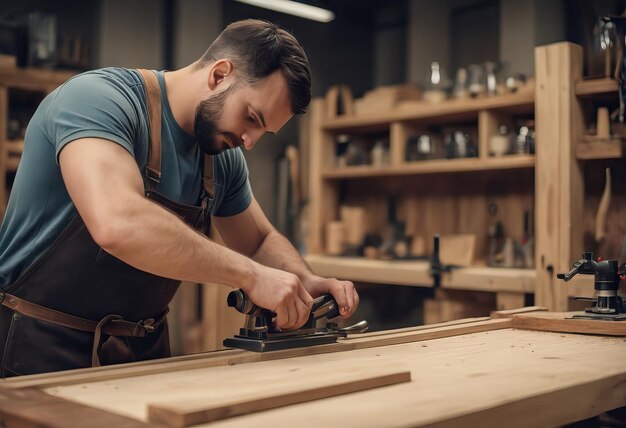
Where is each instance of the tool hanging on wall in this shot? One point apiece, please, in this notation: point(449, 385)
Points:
point(339, 101)
point(260, 335)
point(607, 304)
point(603, 208)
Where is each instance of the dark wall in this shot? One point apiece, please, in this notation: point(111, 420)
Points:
point(76, 22)
point(339, 52)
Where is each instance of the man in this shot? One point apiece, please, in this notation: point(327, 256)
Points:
point(114, 185)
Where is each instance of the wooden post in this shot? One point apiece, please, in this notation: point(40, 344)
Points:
point(559, 181)
point(322, 194)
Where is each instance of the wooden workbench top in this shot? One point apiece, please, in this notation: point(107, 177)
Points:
point(526, 378)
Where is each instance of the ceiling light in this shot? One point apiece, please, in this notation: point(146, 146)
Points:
point(294, 8)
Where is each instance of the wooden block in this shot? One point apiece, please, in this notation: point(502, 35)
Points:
point(186, 413)
point(603, 124)
point(561, 322)
point(457, 249)
point(507, 300)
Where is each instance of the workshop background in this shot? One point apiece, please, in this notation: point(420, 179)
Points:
point(427, 119)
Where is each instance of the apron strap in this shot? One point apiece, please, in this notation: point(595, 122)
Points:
point(112, 325)
point(153, 168)
point(153, 97)
point(208, 180)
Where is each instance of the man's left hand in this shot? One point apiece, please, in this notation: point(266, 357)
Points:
point(343, 291)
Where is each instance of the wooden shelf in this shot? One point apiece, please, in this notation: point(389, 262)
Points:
point(588, 149)
point(34, 79)
point(521, 102)
point(591, 87)
point(434, 167)
point(416, 273)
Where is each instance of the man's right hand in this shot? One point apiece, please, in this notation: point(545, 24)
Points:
point(283, 293)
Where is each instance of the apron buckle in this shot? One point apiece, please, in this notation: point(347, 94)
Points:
point(147, 325)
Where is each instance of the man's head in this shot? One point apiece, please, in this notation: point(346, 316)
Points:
point(265, 77)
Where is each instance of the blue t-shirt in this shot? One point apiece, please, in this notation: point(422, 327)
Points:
point(108, 103)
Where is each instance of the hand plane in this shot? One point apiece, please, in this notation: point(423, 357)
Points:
point(260, 335)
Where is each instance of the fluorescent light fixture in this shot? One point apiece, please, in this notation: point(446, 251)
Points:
point(294, 8)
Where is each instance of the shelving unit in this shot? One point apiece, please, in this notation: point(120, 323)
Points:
point(453, 194)
point(28, 80)
point(432, 187)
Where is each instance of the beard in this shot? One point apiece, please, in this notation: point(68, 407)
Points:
point(206, 132)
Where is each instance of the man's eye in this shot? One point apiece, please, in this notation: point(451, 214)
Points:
point(251, 119)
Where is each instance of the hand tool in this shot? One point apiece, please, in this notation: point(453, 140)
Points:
point(607, 304)
point(260, 335)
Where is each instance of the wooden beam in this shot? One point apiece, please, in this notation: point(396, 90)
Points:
point(197, 411)
point(559, 183)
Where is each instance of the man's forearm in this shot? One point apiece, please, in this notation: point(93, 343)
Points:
point(154, 240)
point(277, 252)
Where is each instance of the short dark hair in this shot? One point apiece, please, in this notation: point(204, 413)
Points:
point(257, 49)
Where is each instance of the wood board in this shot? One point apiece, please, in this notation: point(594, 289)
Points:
point(236, 357)
point(479, 379)
point(198, 410)
point(561, 322)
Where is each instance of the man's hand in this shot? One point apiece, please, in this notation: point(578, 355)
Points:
point(281, 292)
point(343, 291)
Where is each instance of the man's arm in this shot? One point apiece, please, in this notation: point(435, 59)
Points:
point(251, 233)
point(106, 187)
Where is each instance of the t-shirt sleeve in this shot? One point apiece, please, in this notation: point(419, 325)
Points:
point(91, 106)
point(237, 190)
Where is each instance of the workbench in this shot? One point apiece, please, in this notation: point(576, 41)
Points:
point(474, 372)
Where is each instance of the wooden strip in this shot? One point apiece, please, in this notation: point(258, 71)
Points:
point(437, 333)
point(223, 358)
point(35, 408)
point(557, 322)
point(417, 328)
point(186, 414)
point(508, 313)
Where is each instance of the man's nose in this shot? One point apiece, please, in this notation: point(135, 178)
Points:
point(250, 138)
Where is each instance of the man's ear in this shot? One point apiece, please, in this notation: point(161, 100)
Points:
point(219, 71)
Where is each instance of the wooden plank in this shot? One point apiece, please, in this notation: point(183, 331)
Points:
point(34, 408)
point(435, 333)
point(234, 357)
point(192, 412)
point(436, 166)
point(480, 376)
point(559, 322)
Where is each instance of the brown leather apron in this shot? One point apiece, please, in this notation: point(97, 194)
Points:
point(79, 306)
